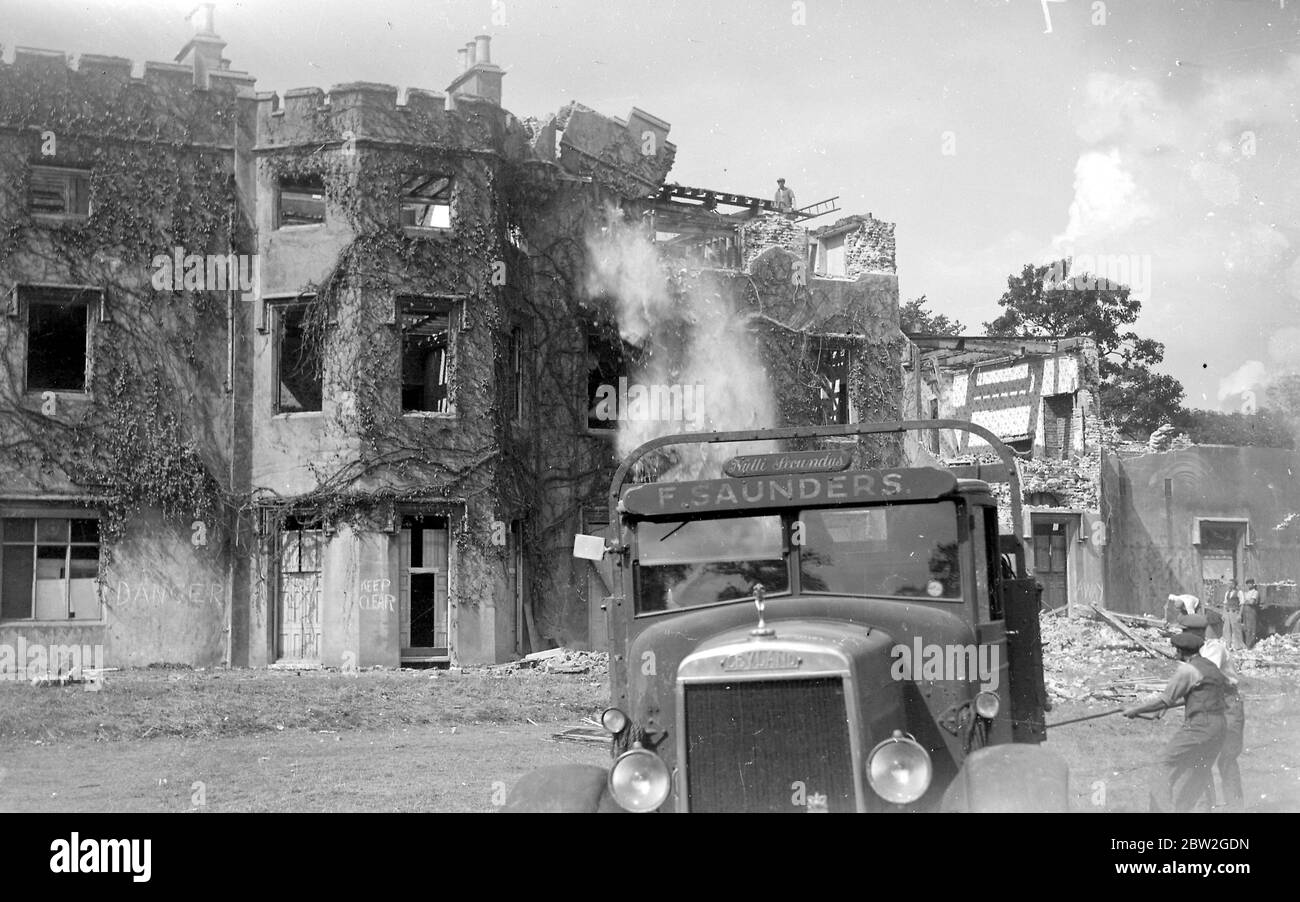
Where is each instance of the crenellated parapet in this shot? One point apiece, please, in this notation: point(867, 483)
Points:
point(367, 113)
point(100, 96)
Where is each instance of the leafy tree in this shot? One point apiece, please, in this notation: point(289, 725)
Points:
point(1264, 428)
point(1049, 301)
point(916, 320)
point(1283, 397)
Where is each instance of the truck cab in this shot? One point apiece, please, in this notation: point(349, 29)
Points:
point(801, 636)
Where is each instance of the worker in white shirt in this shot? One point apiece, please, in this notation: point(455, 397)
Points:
point(1215, 650)
point(1232, 617)
point(784, 198)
point(1182, 605)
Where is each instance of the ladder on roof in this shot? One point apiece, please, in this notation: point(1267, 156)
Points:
point(821, 208)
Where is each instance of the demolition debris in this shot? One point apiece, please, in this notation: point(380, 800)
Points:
point(1118, 657)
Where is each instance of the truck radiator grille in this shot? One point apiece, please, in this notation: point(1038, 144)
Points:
point(750, 743)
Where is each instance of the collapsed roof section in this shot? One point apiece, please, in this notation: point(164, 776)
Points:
point(631, 158)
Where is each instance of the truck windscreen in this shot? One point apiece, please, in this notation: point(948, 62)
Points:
point(904, 550)
point(697, 562)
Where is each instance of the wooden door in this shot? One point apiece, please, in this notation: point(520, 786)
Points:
point(299, 594)
point(422, 569)
point(1051, 568)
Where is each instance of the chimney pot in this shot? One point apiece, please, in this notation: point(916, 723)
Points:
point(483, 45)
point(469, 54)
point(203, 20)
point(462, 59)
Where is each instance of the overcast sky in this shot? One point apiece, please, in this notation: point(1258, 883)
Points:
point(1161, 132)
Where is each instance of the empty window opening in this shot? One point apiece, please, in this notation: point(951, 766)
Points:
point(426, 202)
point(426, 354)
point(609, 359)
point(832, 256)
point(1058, 413)
point(833, 365)
point(58, 328)
point(298, 362)
point(302, 202)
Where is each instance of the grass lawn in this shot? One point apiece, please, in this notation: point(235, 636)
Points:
point(261, 740)
point(151, 704)
point(416, 768)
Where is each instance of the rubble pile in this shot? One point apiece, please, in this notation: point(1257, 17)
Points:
point(1089, 658)
point(1276, 651)
point(575, 661)
point(554, 660)
point(1084, 658)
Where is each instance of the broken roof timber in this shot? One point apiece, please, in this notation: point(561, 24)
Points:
point(991, 345)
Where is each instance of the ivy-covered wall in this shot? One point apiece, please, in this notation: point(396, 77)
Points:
point(179, 429)
point(148, 443)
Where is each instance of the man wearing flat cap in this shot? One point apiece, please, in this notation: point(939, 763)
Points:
point(784, 198)
point(1187, 759)
point(1215, 650)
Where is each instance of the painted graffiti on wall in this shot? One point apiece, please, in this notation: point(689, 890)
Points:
point(375, 595)
point(300, 608)
point(152, 593)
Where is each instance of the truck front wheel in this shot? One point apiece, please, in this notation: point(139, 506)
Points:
point(1009, 777)
point(562, 789)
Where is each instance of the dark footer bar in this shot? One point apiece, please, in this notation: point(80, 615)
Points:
point(566, 854)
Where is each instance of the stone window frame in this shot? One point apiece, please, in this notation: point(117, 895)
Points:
point(830, 346)
point(298, 186)
point(28, 294)
point(272, 322)
point(73, 185)
point(456, 313)
point(443, 198)
point(516, 394)
point(592, 329)
point(9, 512)
point(1247, 539)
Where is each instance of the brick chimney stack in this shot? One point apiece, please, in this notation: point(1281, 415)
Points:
point(480, 78)
point(203, 50)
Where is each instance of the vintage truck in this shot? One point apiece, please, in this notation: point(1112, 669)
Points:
point(798, 636)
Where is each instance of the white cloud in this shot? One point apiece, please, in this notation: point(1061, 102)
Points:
point(1246, 377)
point(1217, 182)
point(1106, 201)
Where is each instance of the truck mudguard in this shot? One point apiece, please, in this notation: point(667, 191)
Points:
point(562, 789)
point(1009, 777)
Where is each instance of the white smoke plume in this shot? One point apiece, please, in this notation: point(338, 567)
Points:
point(694, 343)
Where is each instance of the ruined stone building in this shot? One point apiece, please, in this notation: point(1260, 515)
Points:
point(1186, 519)
point(1040, 397)
point(1121, 525)
point(325, 377)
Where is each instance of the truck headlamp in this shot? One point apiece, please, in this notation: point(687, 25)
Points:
point(639, 780)
point(899, 769)
point(987, 704)
point(613, 720)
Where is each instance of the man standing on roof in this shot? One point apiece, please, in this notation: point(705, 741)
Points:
point(1186, 762)
point(784, 198)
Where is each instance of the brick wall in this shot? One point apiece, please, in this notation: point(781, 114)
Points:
point(869, 248)
point(769, 230)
